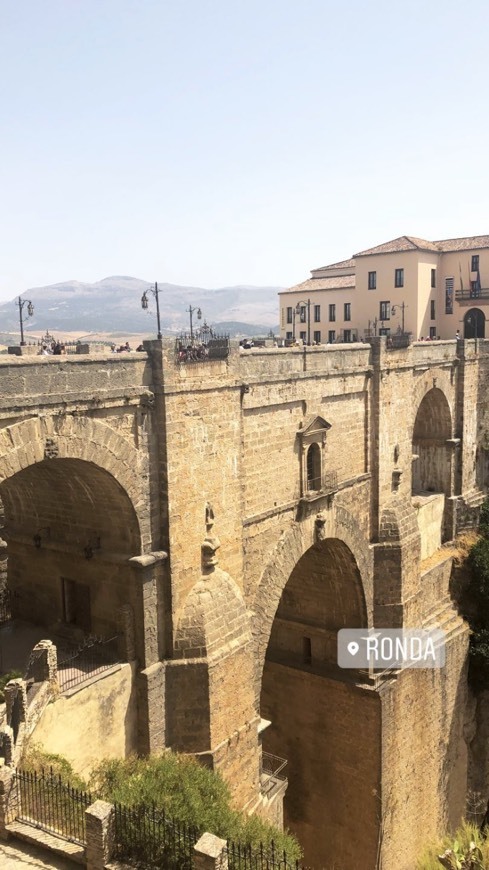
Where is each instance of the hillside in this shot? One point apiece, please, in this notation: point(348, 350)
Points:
point(114, 305)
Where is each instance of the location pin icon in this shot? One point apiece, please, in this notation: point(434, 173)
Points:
point(353, 648)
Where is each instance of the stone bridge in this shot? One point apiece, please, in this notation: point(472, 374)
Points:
point(226, 518)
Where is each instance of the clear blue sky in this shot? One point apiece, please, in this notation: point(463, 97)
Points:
point(217, 142)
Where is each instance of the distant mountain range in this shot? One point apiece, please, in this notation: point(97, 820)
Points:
point(114, 305)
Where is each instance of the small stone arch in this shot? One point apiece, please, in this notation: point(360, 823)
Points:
point(431, 431)
point(438, 379)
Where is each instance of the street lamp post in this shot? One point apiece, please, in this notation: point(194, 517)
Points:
point(191, 310)
point(402, 306)
point(30, 311)
point(144, 303)
point(299, 308)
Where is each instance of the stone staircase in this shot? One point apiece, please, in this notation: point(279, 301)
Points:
point(444, 616)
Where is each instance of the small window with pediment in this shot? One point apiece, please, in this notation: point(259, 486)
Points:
point(314, 478)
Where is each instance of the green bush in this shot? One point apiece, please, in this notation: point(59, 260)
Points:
point(484, 519)
point(190, 793)
point(35, 759)
point(177, 784)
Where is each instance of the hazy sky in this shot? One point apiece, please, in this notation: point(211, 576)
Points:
point(217, 142)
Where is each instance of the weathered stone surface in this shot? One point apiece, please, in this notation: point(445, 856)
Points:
point(107, 464)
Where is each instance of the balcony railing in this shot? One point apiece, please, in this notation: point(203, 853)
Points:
point(469, 295)
point(272, 767)
point(200, 348)
point(399, 340)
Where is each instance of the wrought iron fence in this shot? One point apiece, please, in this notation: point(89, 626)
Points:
point(5, 605)
point(264, 857)
point(200, 347)
point(56, 346)
point(399, 340)
point(93, 656)
point(147, 837)
point(45, 801)
point(272, 771)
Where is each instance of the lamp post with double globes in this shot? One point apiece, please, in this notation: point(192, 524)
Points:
point(199, 317)
point(30, 311)
point(300, 309)
point(144, 303)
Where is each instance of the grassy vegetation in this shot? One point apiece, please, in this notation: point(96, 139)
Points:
point(36, 759)
point(178, 785)
point(460, 845)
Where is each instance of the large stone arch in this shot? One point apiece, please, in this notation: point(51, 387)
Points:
point(313, 712)
point(290, 548)
point(77, 437)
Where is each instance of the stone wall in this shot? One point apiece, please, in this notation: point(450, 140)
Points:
point(154, 450)
point(98, 721)
point(330, 733)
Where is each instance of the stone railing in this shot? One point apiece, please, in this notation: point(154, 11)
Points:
point(24, 705)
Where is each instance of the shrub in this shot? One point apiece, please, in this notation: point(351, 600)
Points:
point(12, 675)
point(484, 519)
point(36, 759)
point(460, 844)
point(190, 793)
point(474, 606)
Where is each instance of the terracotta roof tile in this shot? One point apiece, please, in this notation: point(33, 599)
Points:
point(338, 283)
point(403, 243)
point(466, 243)
point(343, 264)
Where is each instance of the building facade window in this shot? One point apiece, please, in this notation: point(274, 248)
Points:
point(433, 309)
point(372, 280)
point(399, 278)
point(432, 332)
point(347, 311)
point(317, 314)
point(314, 468)
point(384, 330)
point(288, 335)
point(317, 336)
point(332, 312)
point(289, 315)
point(385, 311)
point(347, 335)
point(331, 336)
point(433, 277)
point(474, 266)
point(303, 337)
point(449, 295)
point(303, 316)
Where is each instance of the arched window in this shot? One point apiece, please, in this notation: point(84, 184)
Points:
point(313, 467)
